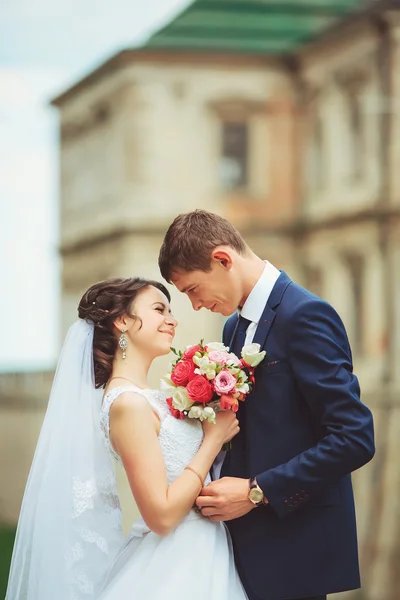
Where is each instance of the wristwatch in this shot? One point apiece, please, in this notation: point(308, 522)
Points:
point(256, 495)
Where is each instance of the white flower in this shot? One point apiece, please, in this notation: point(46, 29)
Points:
point(201, 362)
point(241, 376)
point(180, 399)
point(251, 354)
point(217, 346)
point(210, 373)
point(208, 414)
point(205, 367)
point(195, 412)
point(167, 385)
point(243, 389)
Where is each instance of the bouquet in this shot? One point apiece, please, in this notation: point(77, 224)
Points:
point(206, 378)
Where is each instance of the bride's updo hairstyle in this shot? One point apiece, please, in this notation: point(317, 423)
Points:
point(102, 303)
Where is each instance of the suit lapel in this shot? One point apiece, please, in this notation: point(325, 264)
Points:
point(269, 314)
point(264, 325)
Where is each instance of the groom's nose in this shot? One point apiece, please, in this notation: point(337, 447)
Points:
point(197, 304)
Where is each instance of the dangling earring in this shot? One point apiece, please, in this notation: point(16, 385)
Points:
point(123, 343)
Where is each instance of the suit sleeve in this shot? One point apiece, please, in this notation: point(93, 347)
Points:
point(320, 358)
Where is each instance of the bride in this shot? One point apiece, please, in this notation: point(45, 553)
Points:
point(69, 543)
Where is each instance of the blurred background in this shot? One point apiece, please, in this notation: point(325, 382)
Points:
point(284, 116)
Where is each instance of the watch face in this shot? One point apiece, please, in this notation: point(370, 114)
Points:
point(256, 495)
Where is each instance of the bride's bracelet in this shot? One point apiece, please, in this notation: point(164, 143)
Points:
point(196, 473)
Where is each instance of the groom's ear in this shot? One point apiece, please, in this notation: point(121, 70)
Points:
point(223, 257)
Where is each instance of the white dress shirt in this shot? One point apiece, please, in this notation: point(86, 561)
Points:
point(252, 309)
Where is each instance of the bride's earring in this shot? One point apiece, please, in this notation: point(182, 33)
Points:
point(123, 343)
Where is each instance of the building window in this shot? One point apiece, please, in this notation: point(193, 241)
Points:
point(356, 136)
point(356, 267)
point(101, 113)
point(234, 155)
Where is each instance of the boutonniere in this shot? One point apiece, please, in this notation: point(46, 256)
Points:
point(251, 358)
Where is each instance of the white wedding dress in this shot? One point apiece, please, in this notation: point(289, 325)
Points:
point(194, 561)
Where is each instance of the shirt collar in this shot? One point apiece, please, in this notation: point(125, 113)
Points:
point(254, 306)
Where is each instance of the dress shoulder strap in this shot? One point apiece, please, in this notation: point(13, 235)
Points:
point(109, 399)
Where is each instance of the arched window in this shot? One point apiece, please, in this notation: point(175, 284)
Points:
point(234, 154)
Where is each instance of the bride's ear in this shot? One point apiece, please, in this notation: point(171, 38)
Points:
point(121, 323)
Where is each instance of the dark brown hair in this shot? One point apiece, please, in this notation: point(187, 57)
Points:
point(190, 240)
point(102, 303)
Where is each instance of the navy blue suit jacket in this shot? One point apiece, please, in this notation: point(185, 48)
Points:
point(303, 431)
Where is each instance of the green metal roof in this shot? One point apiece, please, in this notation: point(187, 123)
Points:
point(252, 26)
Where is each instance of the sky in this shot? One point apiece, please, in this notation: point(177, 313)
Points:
point(45, 46)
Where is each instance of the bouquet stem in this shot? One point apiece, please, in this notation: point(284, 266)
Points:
point(226, 447)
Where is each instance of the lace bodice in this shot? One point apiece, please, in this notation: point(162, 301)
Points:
point(179, 439)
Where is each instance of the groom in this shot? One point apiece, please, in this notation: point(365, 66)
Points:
point(285, 489)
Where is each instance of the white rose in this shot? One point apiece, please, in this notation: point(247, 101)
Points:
point(167, 385)
point(180, 399)
point(216, 346)
point(251, 354)
point(195, 412)
point(208, 414)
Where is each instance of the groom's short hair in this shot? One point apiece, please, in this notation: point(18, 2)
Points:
point(190, 240)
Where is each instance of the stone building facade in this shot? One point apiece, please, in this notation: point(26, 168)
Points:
point(302, 153)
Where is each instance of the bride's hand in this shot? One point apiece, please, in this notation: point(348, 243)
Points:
point(225, 428)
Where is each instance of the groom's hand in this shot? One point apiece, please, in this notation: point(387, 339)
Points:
point(225, 499)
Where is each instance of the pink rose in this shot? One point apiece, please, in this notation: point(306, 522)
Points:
point(218, 356)
point(234, 359)
point(183, 372)
point(199, 389)
point(224, 382)
point(228, 402)
point(191, 351)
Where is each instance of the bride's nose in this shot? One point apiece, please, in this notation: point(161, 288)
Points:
point(171, 320)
